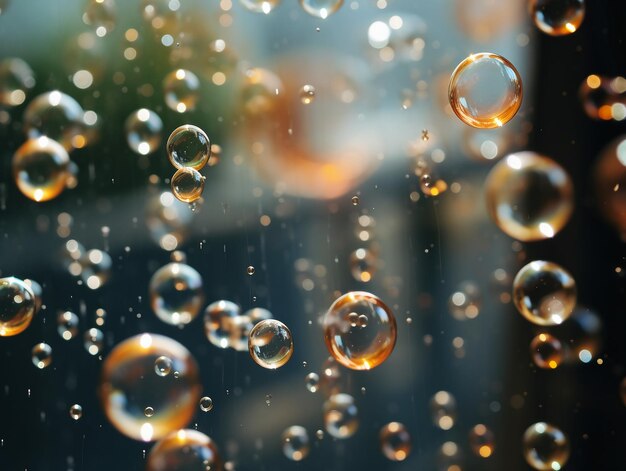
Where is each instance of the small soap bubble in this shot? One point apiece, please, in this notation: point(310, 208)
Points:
point(67, 325)
point(307, 94)
point(93, 341)
point(162, 366)
point(558, 17)
point(250, 270)
point(181, 89)
point(176, 294)
point(16, 80)
point(312, 381)
point(143, 131)
point(395, 441)
point(56, 116)
point(206, 404)
point(187, 184)
point(260, 6)
point(355, 200)
point(101, 16)
point(76, 411)
point(188, 146)
point(42, 355)
point(545, 447)
point(296, 445)
point(185, 449)
point(341, 416)
point(148, 411)
point(482, 441)
point(270, 344)
point(546, 351)
point(443, 410)
point(17, 305)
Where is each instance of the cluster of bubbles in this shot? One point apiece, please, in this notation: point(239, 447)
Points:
point(189, 150)
point(604, 98)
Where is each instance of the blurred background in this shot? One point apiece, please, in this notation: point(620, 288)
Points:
point(294, 189)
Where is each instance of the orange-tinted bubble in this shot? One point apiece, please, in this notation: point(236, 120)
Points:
point(187, 184)
point(610, 184)
point(181, 90)
point(544, 293)
point(260, 6)
point(129, 384)
point(481, 441)
point(546, 351)
point(330, 377)
point(546, 448)
point(582, 334)
point(143, 131)
point(16, 80)
point(363, 264)
point(176, 293)
point(360, 330)
point(395, 441)
point(40, 169)
point(54, 115)
point(557, 17)
point(485, 90)
point(67, 325)
point(604, 98)
point(188, 146)
point(167, 219)
point(529, 197)
point(341, 416)
point(184, 450)
point(96, 268)
point(270, 344)
point(296, 444)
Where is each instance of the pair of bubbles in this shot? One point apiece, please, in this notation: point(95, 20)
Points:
point(317, 8)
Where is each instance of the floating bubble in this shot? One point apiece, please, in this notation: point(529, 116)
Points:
point(17, 306)
point(307, 94)
point(76, 411)
point(54, 115)
point(482, 441)
point(610, 184)
point(544, 293)
point(529, 197)
point(101, 15)
point(181, 90)
point(176, 293)
point(546, 351)
point(557, 17)
point(545, 447)
point(485, 90)
point(187, 184)
point(67, 325)
point(270, 344)
point(395, 441)
point(312, 381)
point(184, 450)
point(260, 6)
point(321, 8)
point(41, 355)
point(16, 81)
point(40, 169)
point(443, 410)
point(218, 322)
point(341, 416)
point(148, 411)
point(129, 385)
point(357, 346)
point(96, 270)
point(143, 131)
point(240, 329)
point(167, 219)
point(330, 377)
point(93, 341)
point(296, 445)
point(206, 404)
point(604, 98)
point(465, 302)
point(188, 146)
point(163, 366)
point(581, 335)
point(363, 264)
point(250, 270)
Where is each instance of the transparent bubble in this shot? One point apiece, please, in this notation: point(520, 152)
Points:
point(529, 197)
point(270, 344)
point(482, 441)
point(545, 447)
point(610, 184)
point(260, 6)
point(206, 404)
point(581, 335)
point(17, 306)
point(187, 184)
point(168, 220)
point(143, 131)
point(101, 16)
point(250, 270)
point(355, 200)
point(330, 377)
point(544, 293)
point(188, 146)
point(16, 81)
point(296, 444)
point(604, 98)
point(181, 90)
point(465, 302)
point(67, 325)
point(353, 345)
point(546, 351)
point(91, 130)
point(37, 291)
point(449, 457)
point(321, 8)
point(557, 17)
point(184, 450)
point(341, 416)
point(148, 411)
point(443, 410)
point(395, 441)
point(93, 341)
point(163, 366)
point(312, 381)
point(218, 322)
point(41, 355)
point(96, 270)
point(240, 329)
point(485, 90)
point(54, 115)
point(307, 94)
point(129, 385)
point(363, 264)
point(76, 411)
point(176, 293)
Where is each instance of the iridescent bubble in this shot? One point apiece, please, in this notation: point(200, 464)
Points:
point(16, 81)
point(54, 115)
point(129, 385)
point(206, 404)
point(260, 6)
point(544, 293)
point(218, 322)
point(546, 351)
point(312, 381)
point(100, 15)
point(356, 346)
point(465, 302)
point(93, 341)
point(76, 411)
point(143, 131)
point(363, 264)
point(176, 293)
point(17, 306)
point(321, 8)
point(40, 168)
point(67, 325)
point(482, 441)
point(148, 411)
point(187, 184)
point(296, 444)
point(188, 146)
point(250, 270)
point(395, 441)
point(307, 94)
point(184, 450)
point(181, 90)
point(529, 197)
point(341, 416)
point(97, 266)
point(163, 366)
point(41, 355)
point(545, 447)
point(443, 410)
point(604, 98)
point(610, 184)
point(270, 344)
point(557, 17)
point(485, 90)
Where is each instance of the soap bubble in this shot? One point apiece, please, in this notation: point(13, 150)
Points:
point(557, 17)
point(181, 90)
point(188, 146)
point(260, 6)
point(443, 410)
point(341, 416)
point(363, 264)
point(76, 411)
point(168, 219)
point(296, 445)
point(96, 270)
point(129, 385)
point(581, 335)
point(143, 131)
point(206, 404)
point(17, 306)
point(485, 90)
point(184, 450)
point(67, 325)
point(395, 441)
point(529, 197)
point(312, 381)
point(360, 345)
point(187, 184)
point(176, 293)
point(544, 293)
point(481, 441)
point(465, 302)
point(218, 322)
point(41, 355)
point(270, 344)
point(546, 351)
point(93, 341)
point(16, 81)
point(545, 447)
point(321, 8)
